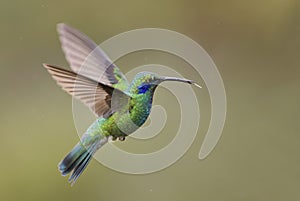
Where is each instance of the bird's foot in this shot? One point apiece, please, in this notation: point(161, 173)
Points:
point(122, 138)
point(114, 138)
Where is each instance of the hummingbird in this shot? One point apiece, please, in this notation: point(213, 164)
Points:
point(120, 107)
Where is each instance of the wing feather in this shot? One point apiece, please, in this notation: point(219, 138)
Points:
point(97, 96)
point(88, 59)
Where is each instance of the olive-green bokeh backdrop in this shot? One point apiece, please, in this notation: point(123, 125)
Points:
point(255, 45)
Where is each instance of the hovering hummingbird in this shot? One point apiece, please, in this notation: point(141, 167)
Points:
point(121, 107)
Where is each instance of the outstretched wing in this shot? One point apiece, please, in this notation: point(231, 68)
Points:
point(88, 59)
point(97, 96)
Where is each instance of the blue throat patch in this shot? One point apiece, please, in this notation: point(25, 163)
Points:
point(143, 88)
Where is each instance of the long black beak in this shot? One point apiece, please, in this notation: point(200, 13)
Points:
point(181, 80)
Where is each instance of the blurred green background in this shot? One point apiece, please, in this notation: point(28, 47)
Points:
point(255, 45)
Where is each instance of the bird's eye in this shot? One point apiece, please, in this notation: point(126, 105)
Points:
point(143, 88)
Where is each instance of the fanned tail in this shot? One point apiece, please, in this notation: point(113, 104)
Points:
point(77, 160)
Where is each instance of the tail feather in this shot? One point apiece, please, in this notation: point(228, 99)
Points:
point(83, 162)
point(76, 161)
point(70, 161)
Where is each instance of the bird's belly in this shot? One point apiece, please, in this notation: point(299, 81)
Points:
point(122, 124)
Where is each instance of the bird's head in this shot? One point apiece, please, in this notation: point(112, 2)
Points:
point(146, 82)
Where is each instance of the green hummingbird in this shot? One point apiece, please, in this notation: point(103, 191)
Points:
point(121, 107)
